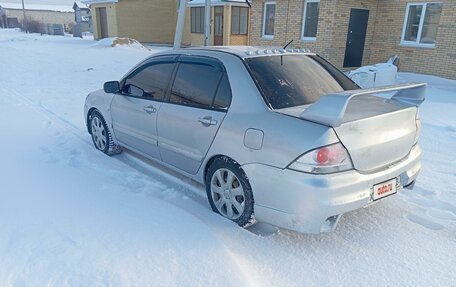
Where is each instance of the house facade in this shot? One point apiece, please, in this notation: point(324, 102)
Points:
point(152, 21)
point(229, 23)
point(352, 33)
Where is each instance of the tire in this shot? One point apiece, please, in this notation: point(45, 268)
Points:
point(101, 135)
point(229, 192)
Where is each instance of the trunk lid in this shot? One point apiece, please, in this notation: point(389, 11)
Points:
point(376, 131)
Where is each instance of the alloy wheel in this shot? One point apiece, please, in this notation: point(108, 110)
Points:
point(227, 193)
point(99, 133)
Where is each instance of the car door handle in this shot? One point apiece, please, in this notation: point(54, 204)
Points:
point(150, 109)
point(207, 121)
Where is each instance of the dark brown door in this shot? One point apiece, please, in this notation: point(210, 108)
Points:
point(218, 26)
point(103, 22)
point(356, 37)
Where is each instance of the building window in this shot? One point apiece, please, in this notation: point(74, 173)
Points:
point(421, 24)
point(269, 19)
point(240, 16)
point(310, 20)
point(197, 20)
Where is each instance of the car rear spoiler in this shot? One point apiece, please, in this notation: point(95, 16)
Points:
point(330, 109)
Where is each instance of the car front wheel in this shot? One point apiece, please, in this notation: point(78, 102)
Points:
point(229, 191)
point(101, 135)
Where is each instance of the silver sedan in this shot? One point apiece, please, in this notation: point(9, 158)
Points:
point(278, 136)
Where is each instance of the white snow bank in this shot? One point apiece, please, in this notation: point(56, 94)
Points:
point(118, 42)
point(382, 74)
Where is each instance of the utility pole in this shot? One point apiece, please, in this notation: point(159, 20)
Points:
point(180, 24)
point(25, 19)
point(207, 23)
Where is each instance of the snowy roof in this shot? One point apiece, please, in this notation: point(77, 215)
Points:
point(39, 7)
point(89, 2)
point(216, 2)
point(80, 5)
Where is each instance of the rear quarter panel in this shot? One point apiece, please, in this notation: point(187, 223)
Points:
point(285, 138)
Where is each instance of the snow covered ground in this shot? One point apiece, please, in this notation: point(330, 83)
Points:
point(71, 216)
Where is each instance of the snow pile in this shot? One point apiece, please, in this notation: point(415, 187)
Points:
point(71, 216)
point(118, 42)
point(382, 74)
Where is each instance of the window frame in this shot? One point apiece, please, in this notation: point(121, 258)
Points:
point(303, 38)
point(193, 29)
point(195, 59)
point(416, 43)
point(239, 21)
point(263, 35)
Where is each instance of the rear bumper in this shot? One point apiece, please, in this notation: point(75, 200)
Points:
point(314, 203)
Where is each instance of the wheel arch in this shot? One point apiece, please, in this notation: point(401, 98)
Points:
point(212, 159)
point(247, 217)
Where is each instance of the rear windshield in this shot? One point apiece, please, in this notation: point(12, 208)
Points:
point(295, 80)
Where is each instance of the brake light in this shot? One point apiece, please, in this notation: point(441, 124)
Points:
point(327, 159)
point(322, 155)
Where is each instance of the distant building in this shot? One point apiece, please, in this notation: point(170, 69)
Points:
point(229, 23)
point(44, 14)
point(3, 18)
point(154, 21)
point(151, 21)
point(82, 18)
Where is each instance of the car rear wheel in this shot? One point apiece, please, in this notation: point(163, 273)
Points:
point(101, 135)
point(229, 192)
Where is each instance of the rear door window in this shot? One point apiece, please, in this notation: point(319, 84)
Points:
point(223, 97)
point(196, 84)
point(294, 80)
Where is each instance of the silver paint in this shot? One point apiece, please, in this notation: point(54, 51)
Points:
point(378, 134)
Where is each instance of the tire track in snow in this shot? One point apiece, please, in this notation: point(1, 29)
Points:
point(172, 184)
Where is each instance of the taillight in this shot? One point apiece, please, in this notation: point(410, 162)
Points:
point(322, 155)
point(327, 159)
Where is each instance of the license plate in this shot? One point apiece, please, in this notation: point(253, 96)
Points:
point(385, 189)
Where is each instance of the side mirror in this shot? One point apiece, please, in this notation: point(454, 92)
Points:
point(111, 87)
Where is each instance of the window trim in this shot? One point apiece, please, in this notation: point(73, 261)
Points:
point(263, 35)
point(239, 21)
point(217, 64)
point(307, 39)
point(420, 27)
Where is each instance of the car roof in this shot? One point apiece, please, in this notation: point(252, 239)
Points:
point(249, 51)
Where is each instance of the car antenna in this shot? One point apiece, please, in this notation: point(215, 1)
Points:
point(288, 44)
point(284, 47)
